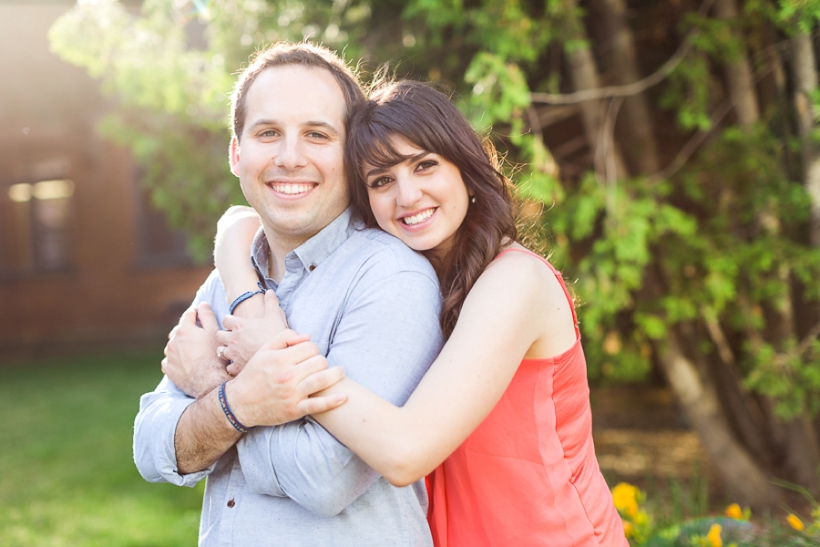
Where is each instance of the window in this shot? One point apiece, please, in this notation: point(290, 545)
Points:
point(158, 244)
point(35, 222)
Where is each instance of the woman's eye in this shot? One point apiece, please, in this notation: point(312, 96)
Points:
point(379, 182)
point(426, 164)
point(317, 136)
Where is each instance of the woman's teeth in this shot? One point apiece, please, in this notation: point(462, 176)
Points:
point(421, 217)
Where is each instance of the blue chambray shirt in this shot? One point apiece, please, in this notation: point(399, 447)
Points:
point(371, 305)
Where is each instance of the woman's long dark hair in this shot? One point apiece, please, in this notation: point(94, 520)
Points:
point(426, 118)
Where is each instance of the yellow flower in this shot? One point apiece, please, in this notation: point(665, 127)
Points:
point(734, 511)
point(795, 522)
point(629, 529)
point(714, 536)
point(625, 498)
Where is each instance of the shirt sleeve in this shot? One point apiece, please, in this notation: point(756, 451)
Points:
point(386, 339)
point(156, 421)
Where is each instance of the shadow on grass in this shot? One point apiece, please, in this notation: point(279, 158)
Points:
point(67, 475)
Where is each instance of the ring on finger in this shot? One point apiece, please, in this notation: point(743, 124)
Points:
point(220, 352)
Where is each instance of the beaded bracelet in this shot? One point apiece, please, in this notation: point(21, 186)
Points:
point(223, 401)
point(242, 297)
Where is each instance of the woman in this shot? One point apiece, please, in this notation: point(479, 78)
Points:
point(501, 421)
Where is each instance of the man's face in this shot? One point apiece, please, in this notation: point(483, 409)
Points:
point(289, 158)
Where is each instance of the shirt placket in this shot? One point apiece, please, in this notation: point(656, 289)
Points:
point(231, 505)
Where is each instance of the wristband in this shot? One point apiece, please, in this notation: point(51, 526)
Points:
point(223, 402)
point(242, 297)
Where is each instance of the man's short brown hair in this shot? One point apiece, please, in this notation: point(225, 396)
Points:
point(302, 54)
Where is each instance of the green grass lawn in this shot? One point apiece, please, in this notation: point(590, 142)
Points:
point(67, 477)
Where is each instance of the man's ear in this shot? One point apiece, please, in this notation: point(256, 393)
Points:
point(233, 156)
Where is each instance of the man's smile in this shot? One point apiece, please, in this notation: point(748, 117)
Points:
point(291, 189)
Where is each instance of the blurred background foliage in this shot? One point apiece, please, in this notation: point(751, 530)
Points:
point(667, 152)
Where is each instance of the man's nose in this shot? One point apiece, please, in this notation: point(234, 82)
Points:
point(290, 153)
point(409, 192)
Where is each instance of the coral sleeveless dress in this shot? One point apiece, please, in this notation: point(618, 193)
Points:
point(528, 476)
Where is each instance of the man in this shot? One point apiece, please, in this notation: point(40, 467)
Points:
point(369, 304)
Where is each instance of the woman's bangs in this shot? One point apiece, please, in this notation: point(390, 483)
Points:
point(375, 148)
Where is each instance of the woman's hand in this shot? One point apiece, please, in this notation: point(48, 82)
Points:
point(243, 336)
point(234, 234)
point(276, 385)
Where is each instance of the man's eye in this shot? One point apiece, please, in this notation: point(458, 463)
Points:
point(317, 136)
point(268, 133)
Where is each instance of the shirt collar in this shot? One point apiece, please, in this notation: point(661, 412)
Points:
point(312, 252)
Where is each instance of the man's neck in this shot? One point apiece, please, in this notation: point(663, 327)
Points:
point(280, 245)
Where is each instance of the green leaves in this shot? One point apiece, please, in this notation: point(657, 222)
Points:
point(723, 241)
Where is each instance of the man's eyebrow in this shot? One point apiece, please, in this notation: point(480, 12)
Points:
point(379, 170)
point(325, 125)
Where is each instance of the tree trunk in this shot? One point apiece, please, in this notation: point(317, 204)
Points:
point(746, 481)
point(739, 73)
point(636, 130)
point(805, 83)
point(801, 451)
point(584, 75)
point(742, 408)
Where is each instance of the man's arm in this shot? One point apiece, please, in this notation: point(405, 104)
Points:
point(387, 338)
point(268, 392)
point(172, 428)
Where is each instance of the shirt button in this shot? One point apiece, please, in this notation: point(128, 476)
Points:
point(312, 267)
point(231, 503)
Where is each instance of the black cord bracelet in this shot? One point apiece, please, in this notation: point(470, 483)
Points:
point(223, 402)
point(242, 297)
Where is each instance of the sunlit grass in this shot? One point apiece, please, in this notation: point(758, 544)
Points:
point(66, 472)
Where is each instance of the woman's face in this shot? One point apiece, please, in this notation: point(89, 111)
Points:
point(422, 200)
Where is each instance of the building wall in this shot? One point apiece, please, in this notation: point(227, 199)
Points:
point(107, 286)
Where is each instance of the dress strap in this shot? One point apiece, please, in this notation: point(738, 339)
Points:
point(557, 274)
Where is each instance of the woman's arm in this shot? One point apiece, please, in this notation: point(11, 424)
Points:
point(234, 234)
point(256, 319)
point(515, 307)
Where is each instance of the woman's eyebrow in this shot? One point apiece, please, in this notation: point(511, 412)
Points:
point(376, 171)
point(379, 170)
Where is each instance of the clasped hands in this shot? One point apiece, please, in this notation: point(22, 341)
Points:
point(271, 379)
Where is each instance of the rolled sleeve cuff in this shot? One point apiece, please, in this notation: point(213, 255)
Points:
point(154, 430)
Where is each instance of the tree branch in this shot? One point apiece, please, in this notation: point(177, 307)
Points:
point(692, 145)
point(627, 89)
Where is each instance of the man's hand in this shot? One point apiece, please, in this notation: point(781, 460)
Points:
point(243, 337)
point(190, 360)
point(276, 384)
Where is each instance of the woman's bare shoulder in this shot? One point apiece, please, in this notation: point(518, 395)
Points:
point(528, 279)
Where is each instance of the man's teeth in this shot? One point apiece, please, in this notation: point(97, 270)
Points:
point(415, 219)
point(292, 188)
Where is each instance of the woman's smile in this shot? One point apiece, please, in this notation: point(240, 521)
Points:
point(416, 220)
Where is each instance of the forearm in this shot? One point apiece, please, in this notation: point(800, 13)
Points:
point(239, 279)
point(203, 434)
point(385, 436)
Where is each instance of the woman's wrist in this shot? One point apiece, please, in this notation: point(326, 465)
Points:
point(237, 285)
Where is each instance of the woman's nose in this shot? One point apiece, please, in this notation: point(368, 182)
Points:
point(409, 192)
